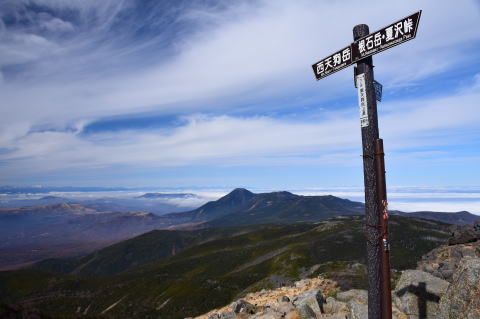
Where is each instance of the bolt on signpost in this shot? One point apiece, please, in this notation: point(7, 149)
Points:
point(360, 51)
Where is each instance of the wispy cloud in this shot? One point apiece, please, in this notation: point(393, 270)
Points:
point(66, 64)
point(247, 48)
point(227, 140)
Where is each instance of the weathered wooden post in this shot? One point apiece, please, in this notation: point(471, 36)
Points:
point(369, 126)
point(360, 51)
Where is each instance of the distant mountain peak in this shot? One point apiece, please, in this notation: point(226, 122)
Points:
point(237, 196)
point(240, 190)
point(50, 197)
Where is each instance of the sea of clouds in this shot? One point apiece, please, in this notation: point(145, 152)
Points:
point(403, 198)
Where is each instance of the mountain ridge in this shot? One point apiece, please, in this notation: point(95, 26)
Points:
point(266, 208)
point(455, 218)
point(212, 272)
point(287, 207)
point(33, 233)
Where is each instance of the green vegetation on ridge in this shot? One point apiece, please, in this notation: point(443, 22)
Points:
point(210, 273)
point(152, 246)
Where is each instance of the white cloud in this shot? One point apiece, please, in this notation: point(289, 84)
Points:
point(227, 140)
point(202, 140)
point(441, 206)
point(249, 52)
point(250, 48)
point(57, 25)
point(24, 47)
point(408, 121)
point(412, 199)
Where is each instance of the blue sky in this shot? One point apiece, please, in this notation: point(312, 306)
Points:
point(221, 93)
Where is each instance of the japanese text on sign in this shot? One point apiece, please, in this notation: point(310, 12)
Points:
point(396, 33)
point(333, 63)
point(362, 99)
point(392, 35)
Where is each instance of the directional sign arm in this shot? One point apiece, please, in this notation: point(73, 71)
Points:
point(333, 63)
point(394, 34)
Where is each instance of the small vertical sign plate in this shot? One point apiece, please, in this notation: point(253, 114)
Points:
point(378, 90)
point(362, 99)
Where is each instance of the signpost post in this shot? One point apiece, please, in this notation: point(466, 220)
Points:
point(369, 127)
point(360, 51)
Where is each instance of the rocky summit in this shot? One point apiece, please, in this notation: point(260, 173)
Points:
point(446, 284)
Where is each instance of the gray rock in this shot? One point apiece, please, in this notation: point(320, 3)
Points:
point(301, 283)
point(464, 234)
point(227, 315)
point(214, 316)
point(357, 310)
point(359, 295)
point(342, 315)
point(418, 294)
point(267, 315)
point(312, 298)
point(442, 261)
point(285, 308)
point(283, 299)
point(447, 274)
point(332, 306)
point(242, 306)
point(306, 312)
point(462, 299)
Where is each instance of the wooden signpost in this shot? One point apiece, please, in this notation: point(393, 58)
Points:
point(360, 51)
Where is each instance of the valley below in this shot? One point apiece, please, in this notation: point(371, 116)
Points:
point(143, 265)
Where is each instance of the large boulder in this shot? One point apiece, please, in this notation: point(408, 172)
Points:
point(464, 234)
point(311, 299)
point(306, 312)
point(228, 315)
point(462, 299)
point(332, 306)
point(352, 304)
point(242, 306)
point(442, 261)
point(418, 294)
point(359, 295)
point(357, 310)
